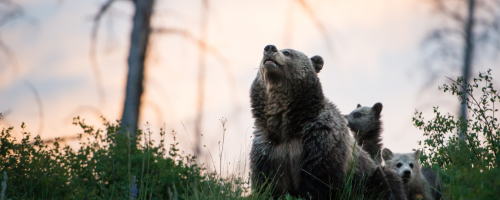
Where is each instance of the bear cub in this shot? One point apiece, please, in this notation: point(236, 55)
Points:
point(366, 127)
point(408, 166)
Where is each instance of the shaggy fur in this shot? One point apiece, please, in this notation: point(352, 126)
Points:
point(409, 168)
point(366, 127)
point(434, 181)
point(301, 141)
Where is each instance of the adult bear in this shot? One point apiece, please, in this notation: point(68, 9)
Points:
point(302, 145)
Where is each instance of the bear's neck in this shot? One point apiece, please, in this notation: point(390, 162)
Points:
point(416, 186)
point(288, 109)
point(371, 140)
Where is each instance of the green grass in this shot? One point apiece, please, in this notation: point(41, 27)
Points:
point(104, 167)
point(111, 165)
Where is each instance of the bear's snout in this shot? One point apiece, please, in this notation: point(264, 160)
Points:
point(270, 49)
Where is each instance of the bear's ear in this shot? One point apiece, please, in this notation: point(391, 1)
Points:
point(377, 109)
point(317, 62)
point(417, 155)
point(359, 105)
point(387, 154)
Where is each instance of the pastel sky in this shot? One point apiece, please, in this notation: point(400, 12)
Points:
point(376, 55)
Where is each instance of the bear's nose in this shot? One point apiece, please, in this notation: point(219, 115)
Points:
point(407, 173)
point(270, 48)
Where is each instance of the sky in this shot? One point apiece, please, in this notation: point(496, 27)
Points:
point(375, 54)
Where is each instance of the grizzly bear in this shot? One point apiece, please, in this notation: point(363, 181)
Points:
point(419, 182)
point(366, 127)
point(302, 145)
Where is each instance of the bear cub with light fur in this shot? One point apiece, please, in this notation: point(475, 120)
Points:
point(302, 145)
point(409, 168)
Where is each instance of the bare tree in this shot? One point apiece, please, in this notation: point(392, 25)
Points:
point(468, 25)
point(139, 39)
point(201, 76)
point(141, 28)
point(468, 55)
point(137, 54)
point(141, 32)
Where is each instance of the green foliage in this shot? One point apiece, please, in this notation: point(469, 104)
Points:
point(111, 165)
point(107, 165)
point(464, 151)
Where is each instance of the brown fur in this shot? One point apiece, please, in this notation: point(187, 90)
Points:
point(434, 181)
point(302, 144)
point(366, 127)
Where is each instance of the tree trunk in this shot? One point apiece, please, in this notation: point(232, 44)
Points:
point(201, 77)
point(468, 56)
point(137, 54)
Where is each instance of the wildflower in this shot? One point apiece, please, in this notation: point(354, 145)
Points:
point(133, 189)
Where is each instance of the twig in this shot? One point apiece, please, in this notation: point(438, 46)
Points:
point(316, 178)
point(15, 11)
point(478, 114)
point(93, 56)
point(440, 6)
point(10, 56)
point(39, 103)
point(81, 109)
point(317, 22)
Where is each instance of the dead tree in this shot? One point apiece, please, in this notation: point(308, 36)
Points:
point(141, 28)
point(138, 46)
point(201, 76)
point(472, 24)
point(468, 55)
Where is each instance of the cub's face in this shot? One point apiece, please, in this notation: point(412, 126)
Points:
point(364, 119)
point(286, 66)
point(406, 164)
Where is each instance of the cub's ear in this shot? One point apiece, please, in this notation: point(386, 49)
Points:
point(417, 155)
point(359, 105)
point(377, 109)
point(387, 154)
point(317, 62)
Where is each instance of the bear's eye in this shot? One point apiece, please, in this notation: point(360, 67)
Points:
point(357, 114)
point(411, 165)
point(399, 165)
point(286, 53)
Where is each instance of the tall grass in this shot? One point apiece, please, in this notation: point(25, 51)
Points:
point(111, 165)
point(107, 165)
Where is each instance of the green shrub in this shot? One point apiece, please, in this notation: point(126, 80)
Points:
point(464, 152)
point(108, 165)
